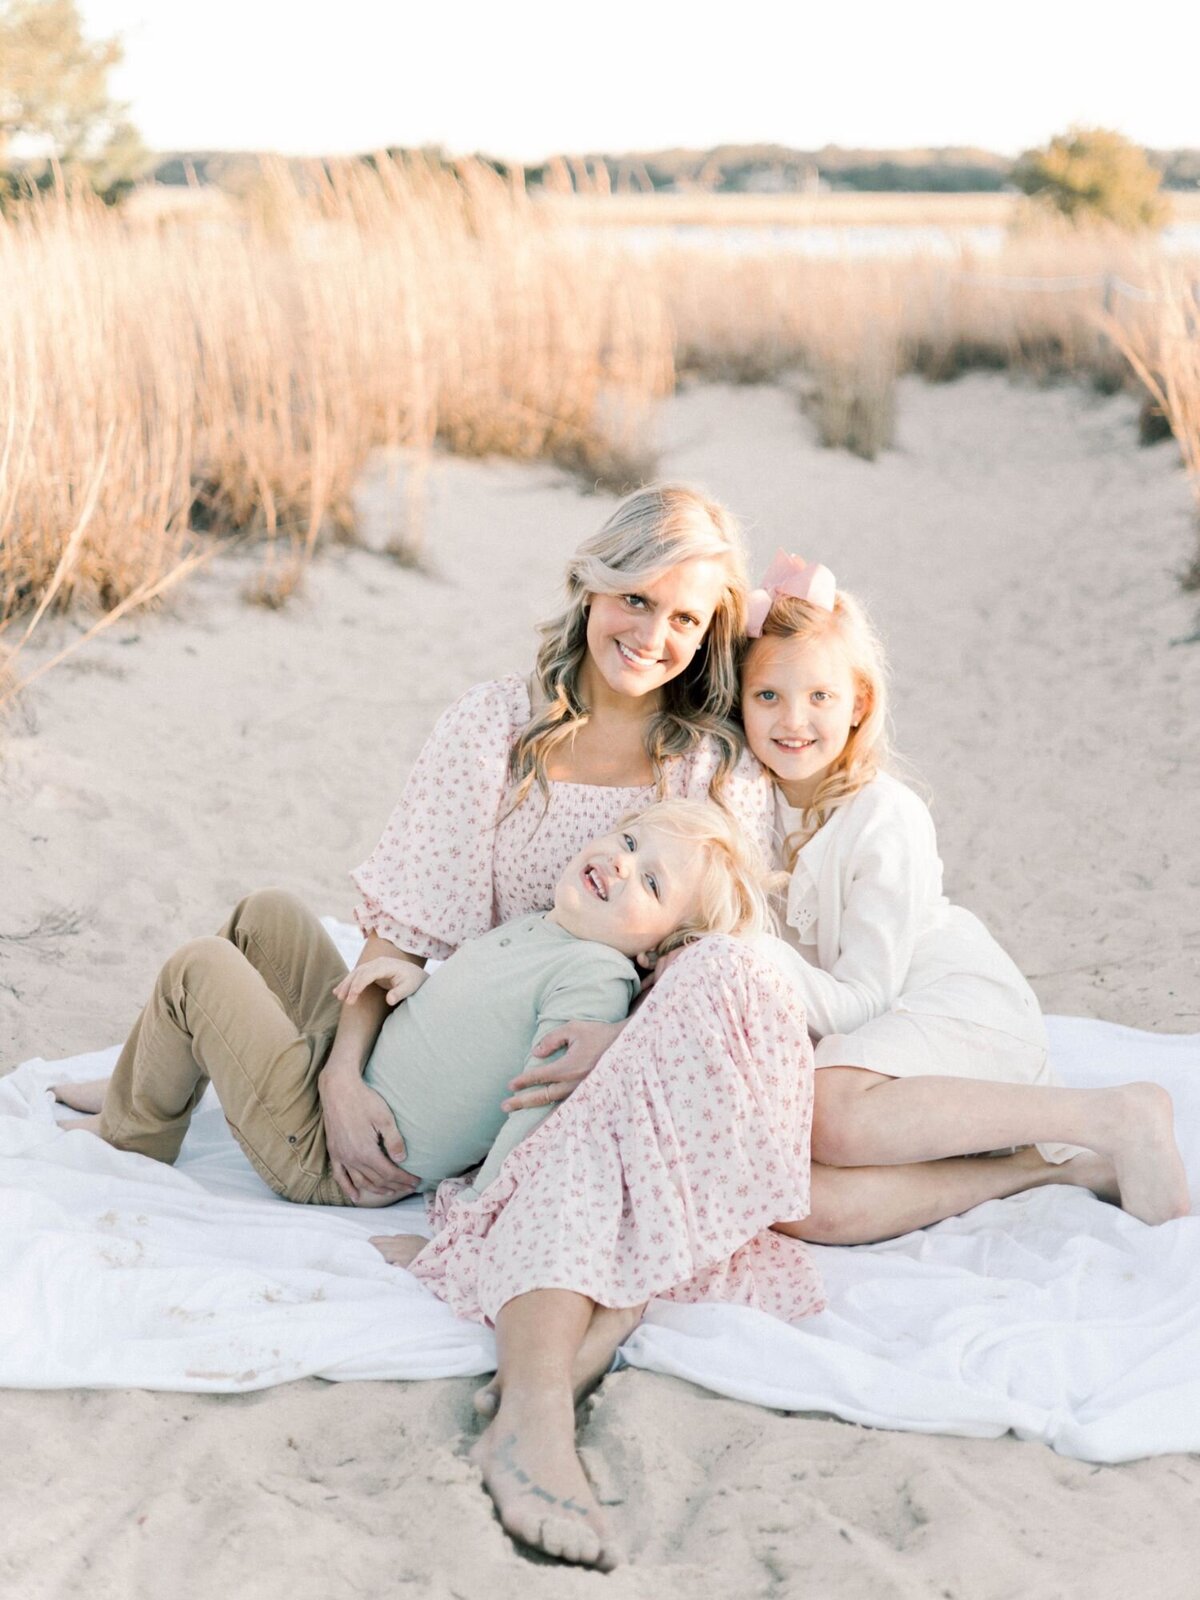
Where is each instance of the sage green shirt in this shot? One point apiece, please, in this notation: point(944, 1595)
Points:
point(444, 1057)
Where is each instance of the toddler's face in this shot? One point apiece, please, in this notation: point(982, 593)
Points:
point(629, 889)
point(799, 702)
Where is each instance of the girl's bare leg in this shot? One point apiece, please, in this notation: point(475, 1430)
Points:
point(607, 1332)
point(861, 1205)
point(527, 1453)
point(863, 1119)
point(87, 1097)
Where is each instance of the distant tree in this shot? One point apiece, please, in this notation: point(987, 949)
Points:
point(1093, 174)
point(54, 99)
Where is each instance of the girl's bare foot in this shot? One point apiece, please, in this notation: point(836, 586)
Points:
point(530, 1469)
point(1149, 1168)
point(81, 1124)
point(607, 1332)
point(81, 1096)
point(399, 1248)
point(1090, 1171)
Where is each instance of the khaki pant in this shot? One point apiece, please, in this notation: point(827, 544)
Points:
point(252, 1010)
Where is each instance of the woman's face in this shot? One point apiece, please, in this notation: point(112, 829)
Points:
point(641, 639)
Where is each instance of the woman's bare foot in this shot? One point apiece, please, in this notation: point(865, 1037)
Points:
point(607, 1332)
point(530, 1469)
point(87, 1096)
point(1150, 1171)
point(81, 1124)
point(399, 1248)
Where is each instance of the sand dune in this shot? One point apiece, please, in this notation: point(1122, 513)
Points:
point(1019, 552)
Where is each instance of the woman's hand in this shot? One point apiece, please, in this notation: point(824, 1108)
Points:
point(399, 978)
point(366, 1148)
point(585, 1043)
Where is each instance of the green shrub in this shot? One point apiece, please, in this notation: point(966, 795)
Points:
point(1094, 174)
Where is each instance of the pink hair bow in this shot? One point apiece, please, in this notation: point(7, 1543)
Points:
point(795, 577)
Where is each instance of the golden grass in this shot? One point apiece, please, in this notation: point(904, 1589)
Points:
point(170, 378)
point(230, 373)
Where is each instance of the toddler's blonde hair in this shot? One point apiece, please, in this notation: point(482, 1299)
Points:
point(868, 749)
point(730, 875)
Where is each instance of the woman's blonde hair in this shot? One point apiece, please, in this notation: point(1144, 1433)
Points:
point(730, 877)
point(867, 751)
point(649, 533)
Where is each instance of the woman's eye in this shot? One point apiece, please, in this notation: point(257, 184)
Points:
point(652, 885)
point(635, 600)
point(688, 622)
point(820, 694)
point(629, 841)
point(766, 694)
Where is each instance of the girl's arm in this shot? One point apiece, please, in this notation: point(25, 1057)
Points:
point(888, 880)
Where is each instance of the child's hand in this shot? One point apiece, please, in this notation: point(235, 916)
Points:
point(400, 978)
point(582, 1044)
point(399, 1248)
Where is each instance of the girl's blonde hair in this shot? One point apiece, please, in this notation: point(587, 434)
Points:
point(649, 533)
point(729, 874)
point(867, 751)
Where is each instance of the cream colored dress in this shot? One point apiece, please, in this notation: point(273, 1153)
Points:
point(893, 977)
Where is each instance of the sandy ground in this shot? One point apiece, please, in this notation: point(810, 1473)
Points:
point(1019, 552)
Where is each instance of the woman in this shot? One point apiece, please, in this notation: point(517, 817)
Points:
point(704, 1105)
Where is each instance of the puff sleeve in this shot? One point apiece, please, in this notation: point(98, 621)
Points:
point(427, 885)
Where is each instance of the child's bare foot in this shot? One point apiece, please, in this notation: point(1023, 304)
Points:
point(530, 1469)
point(1090, 1171)
point(607, 1332)
point(1150, 1170)
point(81, 1124)
point(87, 1096)
point(399, 1248)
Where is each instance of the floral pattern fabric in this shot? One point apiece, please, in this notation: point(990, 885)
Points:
point(662, 1173)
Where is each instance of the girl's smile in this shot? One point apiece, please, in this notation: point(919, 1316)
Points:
point(799, 703)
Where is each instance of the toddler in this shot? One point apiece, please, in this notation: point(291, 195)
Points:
point(252, 1009)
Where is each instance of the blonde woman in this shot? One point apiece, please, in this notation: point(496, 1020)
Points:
point(710, 1082)
point(630, 701)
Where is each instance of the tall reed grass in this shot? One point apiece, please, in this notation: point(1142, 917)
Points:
point(229, 372)
point(1164, 351)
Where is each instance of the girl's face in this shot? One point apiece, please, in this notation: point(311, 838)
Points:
point(799, 702)
point(639, 640)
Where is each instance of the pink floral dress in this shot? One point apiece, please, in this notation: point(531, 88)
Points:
point(662, 1173)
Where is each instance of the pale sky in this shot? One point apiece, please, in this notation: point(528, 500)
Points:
point(529, 78)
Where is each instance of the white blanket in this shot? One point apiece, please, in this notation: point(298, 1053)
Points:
point(1050, 1314)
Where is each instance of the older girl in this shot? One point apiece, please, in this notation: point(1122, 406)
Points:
point(931, 1043)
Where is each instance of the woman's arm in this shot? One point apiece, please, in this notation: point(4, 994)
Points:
point(366, 1149)
point(425, 888)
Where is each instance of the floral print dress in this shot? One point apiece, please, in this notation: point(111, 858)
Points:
point(662, 1173)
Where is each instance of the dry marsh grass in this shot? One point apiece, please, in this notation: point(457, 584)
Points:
point(167, 379)
point(230, 374)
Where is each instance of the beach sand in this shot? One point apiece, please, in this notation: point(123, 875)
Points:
point(1019, 553)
